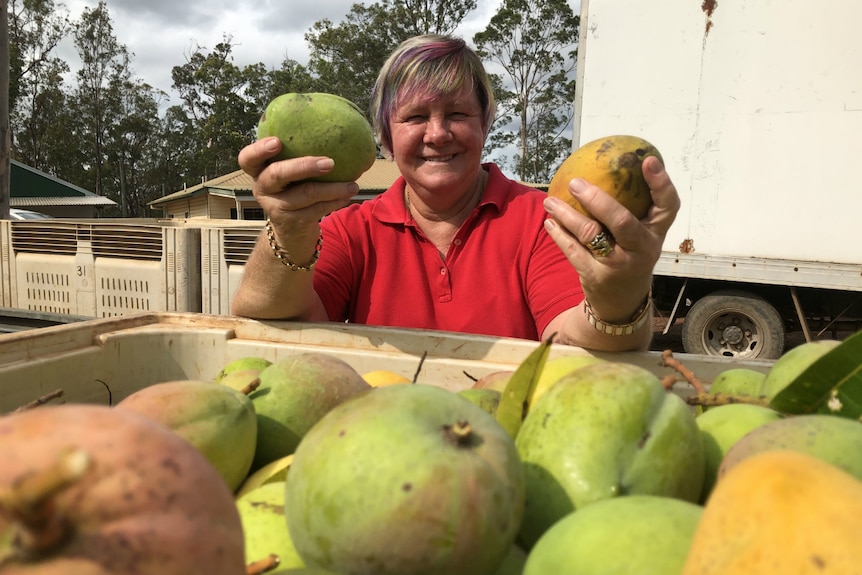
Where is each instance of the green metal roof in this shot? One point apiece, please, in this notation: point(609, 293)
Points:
point(30, 183)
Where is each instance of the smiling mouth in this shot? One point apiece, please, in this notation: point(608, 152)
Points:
point(439, 159)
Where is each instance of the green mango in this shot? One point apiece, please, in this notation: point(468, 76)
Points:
point(835, 440)
point(273, 472)
point(294, 393)
point(605, 430)
point(301, 571)
point(792, 363)
point(737, 381)
point(631, 535)
point(721, 427)
point(243, 364)
point(555, 368)
point(264, 525)
point(405, 479)
point(218, 420)
point(496, 380)
point(513, 563)
point(487, 399)
point(320, 124)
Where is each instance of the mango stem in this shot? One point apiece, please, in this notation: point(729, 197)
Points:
point(30, 500)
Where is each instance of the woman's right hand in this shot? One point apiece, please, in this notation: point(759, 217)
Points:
point(295, 207)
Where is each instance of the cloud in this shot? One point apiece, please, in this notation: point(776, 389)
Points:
point(162, 34)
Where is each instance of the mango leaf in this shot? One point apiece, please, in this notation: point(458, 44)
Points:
point(831, 385)
point(520, 388)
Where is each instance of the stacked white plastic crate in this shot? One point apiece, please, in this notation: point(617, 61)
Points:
point(224, 251)
point(100, 268)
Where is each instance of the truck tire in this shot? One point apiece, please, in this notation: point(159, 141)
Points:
point(733, 324)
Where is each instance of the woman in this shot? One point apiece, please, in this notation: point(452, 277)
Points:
point(453, 244)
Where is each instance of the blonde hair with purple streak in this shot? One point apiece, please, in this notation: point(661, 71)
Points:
point(430, 65)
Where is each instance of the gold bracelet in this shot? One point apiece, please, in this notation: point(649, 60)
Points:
point(638, 320)
point(282, 256)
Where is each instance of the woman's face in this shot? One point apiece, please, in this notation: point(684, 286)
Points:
point(437, 143)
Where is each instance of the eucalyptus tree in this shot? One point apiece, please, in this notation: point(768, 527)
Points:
point(429, 16)
point(346, 57)
point(265, 85)
point(105, 65)
point(134, 168)
point(36, 85)
point(214, 94)
point(534, 42)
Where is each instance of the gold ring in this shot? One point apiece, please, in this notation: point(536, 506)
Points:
point(601, 245)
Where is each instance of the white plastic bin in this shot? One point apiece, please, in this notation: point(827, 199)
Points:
point(104, 360)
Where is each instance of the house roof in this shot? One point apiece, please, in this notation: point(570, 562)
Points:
point(378, 178)
point(30, 187)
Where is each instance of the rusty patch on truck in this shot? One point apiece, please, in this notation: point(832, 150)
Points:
point(708, 7)
point(687, 246)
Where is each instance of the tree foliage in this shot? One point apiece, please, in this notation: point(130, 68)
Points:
point(106, 130)
point(535, 43)
point(36, 95)
point(346, 57)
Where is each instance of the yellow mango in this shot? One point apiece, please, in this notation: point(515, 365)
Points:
point(612, 163)
point(780, 512)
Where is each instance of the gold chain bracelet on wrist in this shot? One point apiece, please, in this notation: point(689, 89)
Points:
point(282, 256)
point(638, 320)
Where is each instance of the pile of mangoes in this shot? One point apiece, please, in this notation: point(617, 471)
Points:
point(570, 465)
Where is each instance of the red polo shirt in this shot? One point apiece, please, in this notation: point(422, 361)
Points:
point(503, 275)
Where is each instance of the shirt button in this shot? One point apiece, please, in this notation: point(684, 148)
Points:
point(442, 271)
point(457, 242)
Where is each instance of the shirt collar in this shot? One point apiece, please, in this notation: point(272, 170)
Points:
point(389, 206)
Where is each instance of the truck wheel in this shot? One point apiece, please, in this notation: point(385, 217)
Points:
point(733, 324)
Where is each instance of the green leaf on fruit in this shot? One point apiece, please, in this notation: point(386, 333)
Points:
point(831, 385)
point(520, 388)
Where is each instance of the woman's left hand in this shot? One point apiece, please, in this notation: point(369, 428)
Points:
point(615, 284)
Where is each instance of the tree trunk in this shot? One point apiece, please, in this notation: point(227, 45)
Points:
point(5, 135)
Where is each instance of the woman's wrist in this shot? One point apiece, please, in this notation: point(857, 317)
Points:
point(634, 322)
point(284, 257)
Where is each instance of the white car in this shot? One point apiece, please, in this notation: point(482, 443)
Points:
point(18, 214)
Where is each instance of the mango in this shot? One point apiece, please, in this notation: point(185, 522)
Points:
point(721, 427)
point(555, 368)
point(738, 381)
point(242, 373)
point(631, 535)
point(405, 479)
point(835, 440)
point(496, 380)
point(792, 363)
point(135, 497)
point(487, 399)
point(294, 393)
point(612, 163)
point(381, 377)
point(321, 124)
point(301, 571)
point(248, 363)
point(779, 512)
point(605, 430)
point(261, 512)
point(273, 472)
point(513, 563)
point(218, 420)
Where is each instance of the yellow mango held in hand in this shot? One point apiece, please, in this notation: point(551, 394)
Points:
point(612, 163)
point(780, 513)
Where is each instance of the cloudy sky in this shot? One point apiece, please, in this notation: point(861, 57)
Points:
point(163, 33)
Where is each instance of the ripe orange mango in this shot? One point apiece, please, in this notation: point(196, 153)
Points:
point(612, 163)
point(776, 513)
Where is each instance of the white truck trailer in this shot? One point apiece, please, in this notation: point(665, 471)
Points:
point(756, 106)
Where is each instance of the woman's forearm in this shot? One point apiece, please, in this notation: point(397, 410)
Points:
point(272, 290)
